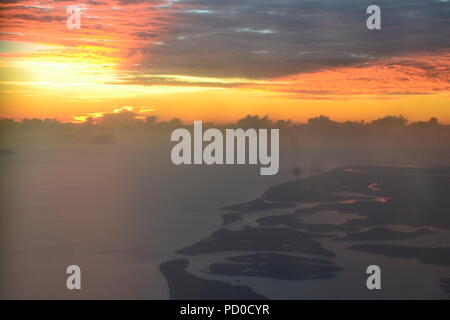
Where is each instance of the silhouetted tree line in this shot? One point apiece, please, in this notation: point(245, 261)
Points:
point(127, 120)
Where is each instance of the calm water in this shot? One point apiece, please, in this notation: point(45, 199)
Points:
point(120, 210)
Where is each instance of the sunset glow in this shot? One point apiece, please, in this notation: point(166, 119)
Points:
point(138, 55)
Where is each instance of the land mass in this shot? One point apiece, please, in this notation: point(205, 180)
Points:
point(184, 286)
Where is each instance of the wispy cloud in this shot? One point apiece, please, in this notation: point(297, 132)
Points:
point(409, 74)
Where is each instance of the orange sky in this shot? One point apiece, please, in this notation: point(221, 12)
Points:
point(48, 71)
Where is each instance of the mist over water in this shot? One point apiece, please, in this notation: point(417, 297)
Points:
point(115, 210)
point(119, 210)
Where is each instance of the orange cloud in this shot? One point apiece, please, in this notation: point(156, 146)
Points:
point(48, 70)
point(414, 74)
point(123, 29)
point(139, 112)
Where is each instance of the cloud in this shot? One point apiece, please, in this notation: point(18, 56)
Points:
point(233, 42)
point(272, 38)
point(126, 113)
point(409, 74)
point(135, 26)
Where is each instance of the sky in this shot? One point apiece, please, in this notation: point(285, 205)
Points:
point(219, 60)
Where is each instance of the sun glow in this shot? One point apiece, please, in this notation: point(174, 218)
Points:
point(81, 74)
point(68, 66)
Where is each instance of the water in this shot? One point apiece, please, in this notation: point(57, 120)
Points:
point(120, 210)
point(117, 211)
